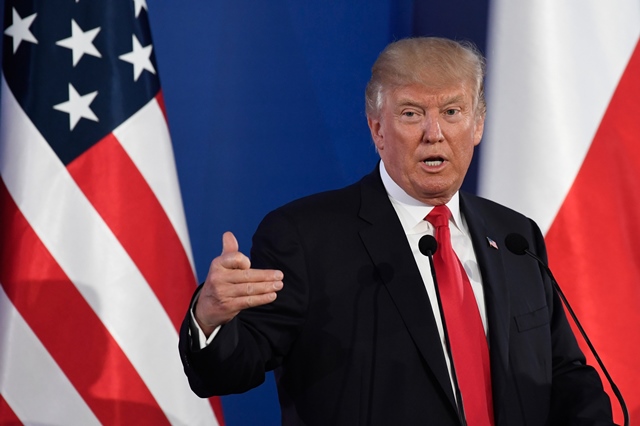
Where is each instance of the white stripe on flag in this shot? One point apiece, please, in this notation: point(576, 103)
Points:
point(145, 137)
point(30, 379)
point(104, 275)
point(548, 85)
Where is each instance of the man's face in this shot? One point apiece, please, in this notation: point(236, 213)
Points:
point(426, 137)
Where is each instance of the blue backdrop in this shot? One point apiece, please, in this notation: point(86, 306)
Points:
point(265, 104)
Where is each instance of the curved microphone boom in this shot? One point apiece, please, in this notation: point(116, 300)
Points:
point(517, 244)
point(428, 247)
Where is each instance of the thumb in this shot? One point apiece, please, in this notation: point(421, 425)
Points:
point(229, 243)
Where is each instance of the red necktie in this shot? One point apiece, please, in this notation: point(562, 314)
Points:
point(468, 342)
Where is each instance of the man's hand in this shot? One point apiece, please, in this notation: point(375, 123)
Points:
point(232, 286)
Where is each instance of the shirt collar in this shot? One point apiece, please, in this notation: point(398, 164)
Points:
point(414, 210)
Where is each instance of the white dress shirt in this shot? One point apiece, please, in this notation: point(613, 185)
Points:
point(411, 213)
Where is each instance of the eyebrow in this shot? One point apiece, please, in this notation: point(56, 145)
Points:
point(458, 98)
point(455, 99)
point(408, 102)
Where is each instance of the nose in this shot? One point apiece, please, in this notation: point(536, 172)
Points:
point(432, 132)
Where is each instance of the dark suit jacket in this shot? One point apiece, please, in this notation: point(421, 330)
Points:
point(352, 336)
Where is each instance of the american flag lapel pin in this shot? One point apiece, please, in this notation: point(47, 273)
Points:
point(492, 243)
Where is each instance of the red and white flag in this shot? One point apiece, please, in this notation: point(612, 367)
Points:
point(95, 260)
point(562, 145)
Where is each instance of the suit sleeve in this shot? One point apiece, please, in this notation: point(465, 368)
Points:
point(258, 339)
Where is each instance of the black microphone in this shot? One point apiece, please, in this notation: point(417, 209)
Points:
point(428, 247)
point(517, 244)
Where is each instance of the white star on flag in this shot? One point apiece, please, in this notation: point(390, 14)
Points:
point(77, 106)
point(19, 29)
point(140, 58)
point(80, 42)
point(139, 5)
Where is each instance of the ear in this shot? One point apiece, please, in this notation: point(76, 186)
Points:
point(375, 127)
point(477, 136)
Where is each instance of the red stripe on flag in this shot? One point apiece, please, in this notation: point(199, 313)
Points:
point(216, 404)
point(67, 326)
point(593, 241)
point(121, 195)
point(163, 107)
point(7, 416)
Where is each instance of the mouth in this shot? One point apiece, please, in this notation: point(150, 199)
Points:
point(434, 161)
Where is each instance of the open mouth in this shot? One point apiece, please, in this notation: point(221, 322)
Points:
point(433, 162)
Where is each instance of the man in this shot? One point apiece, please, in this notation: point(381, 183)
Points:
point(340, 302)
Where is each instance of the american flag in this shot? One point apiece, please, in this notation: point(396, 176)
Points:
point(95, 261)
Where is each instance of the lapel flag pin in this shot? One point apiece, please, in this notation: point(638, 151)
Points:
point(492, 243)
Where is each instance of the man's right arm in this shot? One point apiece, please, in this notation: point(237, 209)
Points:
point(231, 286)
point(210, 333)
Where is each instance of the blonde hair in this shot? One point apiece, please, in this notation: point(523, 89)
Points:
point(433, 61)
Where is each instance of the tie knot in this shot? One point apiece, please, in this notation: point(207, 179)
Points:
point(439, 216)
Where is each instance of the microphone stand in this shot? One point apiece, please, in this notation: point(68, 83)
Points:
point(459, 403)
point(556, 286)
point(517, 244)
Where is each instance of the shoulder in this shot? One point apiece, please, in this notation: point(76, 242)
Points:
point(490, 210)
point(311, 227)
point(329, 205)
point(500, 220)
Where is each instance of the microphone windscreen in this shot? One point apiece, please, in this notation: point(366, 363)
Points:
point(428, 245)
point(516, 243)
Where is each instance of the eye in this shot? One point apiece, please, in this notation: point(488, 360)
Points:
point(411, 114)
point(451, 111)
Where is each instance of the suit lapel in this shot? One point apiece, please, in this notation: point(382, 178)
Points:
point(496, 291)
point(387, 246)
